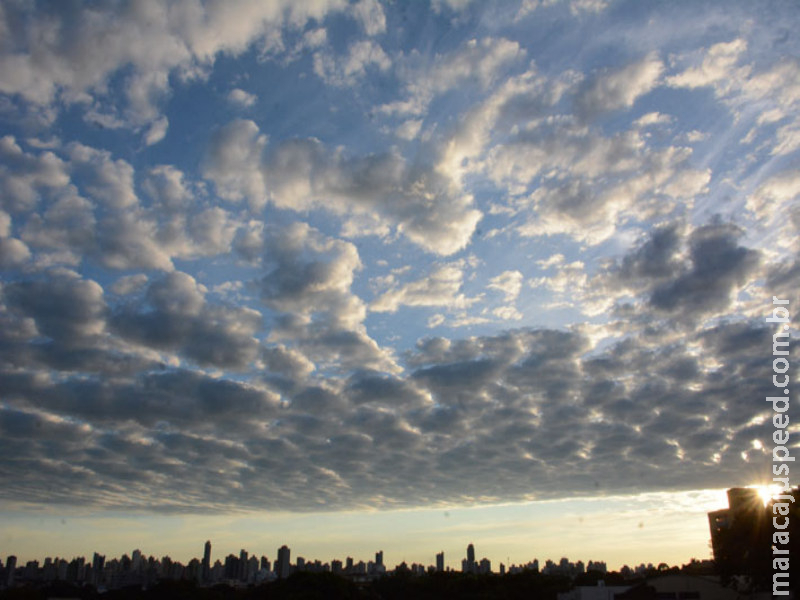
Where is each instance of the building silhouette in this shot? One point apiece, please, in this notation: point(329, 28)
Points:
point(468, 566)
point(207, 561)
point(282, 564)
point(745, 511)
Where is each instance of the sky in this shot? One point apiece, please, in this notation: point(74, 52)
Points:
point(360, 275)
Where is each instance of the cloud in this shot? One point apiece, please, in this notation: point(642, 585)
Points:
point(308, 280)
point(13, 252)
point(442, 287)
point(129, 284)
point(157, 131)
point(508, 282)
point(371, 16)
point(233, 162)
point(52, 55)
point(174, 316)
point(480, 62)
point(719, 268)
point(64, 307)
point(241, 98)
point(299, 174)
point(218, 333)
point(618, 89)
point(109, 181)
point(347, 70)
point(717, 67)
point(24, 177)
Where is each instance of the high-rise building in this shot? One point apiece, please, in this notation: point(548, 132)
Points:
point(471, 558)
point(242, 574)
point(485, 566)
point(207, 562)
point(11, 566)
point(379, 558)
point(741, 535)
point(440, 561)
point(282, 564)
point(744, 506)
point(136, 560)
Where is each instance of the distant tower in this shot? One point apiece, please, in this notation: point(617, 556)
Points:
point(207, 562)
point(471, 558)
point(282, 565)
point(440, 561)
point(11, 565)
point(379, 558)
point(243, 565)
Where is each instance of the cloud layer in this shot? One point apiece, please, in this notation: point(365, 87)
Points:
point(336, 255)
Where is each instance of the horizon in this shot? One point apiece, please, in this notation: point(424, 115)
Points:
point(491, 527)
point(331, 272)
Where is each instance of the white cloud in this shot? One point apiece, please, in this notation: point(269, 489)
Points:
point(479, 61)
point(619, 89)
point(346, 71)
point(717, 67)
point(110, 181)
point(653, 118)
point(157, 131)
point(300, 174)
point(13, 252)
point(24, 177)
point(442, 287)
point(370, 14)
point(129, 284)
point(409, 129)
point(234, 161)
point(508, 282)
point(239, 97)
point(153, 40)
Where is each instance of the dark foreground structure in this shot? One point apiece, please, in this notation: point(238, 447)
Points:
point(744, 542)
point(327, 586)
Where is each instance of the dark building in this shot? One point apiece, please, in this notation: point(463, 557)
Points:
point(207, 562)
point(471, 558)
point(745, 510)
point(282, 564)
point(11, 567)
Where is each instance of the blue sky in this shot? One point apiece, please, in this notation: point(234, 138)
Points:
point(340, 257)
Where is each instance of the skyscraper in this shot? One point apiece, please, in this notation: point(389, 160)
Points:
point(282, 565)
point(471, 558)
point(11, 565)
point(207, 562)
point(440, 561)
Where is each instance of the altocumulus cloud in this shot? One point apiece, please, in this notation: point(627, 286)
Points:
point(300, 297)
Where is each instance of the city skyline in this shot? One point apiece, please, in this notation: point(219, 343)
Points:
point(207, 569)
point(553, 529)
point(358, 274)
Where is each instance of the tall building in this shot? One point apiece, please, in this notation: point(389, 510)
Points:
point(440, 561)
point(11, 566)
point(471, 558)
point(242, 574)
point(207, 562)
point(741, 537)
point(379, 558)
point(744, 506)
point(282, 564)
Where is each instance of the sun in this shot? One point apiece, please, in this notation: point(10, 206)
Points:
point(765, 492)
